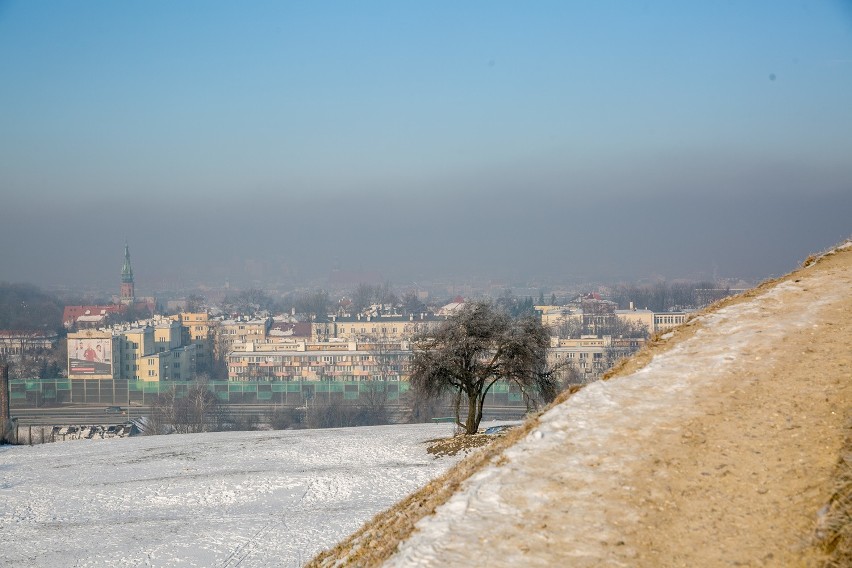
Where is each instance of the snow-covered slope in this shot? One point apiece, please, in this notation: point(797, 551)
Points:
point(242, 498)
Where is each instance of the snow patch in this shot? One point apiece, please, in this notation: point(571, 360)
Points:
point(256, 498)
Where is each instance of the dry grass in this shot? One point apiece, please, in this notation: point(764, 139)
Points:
point(833, 534)
point(834, 524)
point(452, 446)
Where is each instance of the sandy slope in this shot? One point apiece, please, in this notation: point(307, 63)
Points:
point(716, 447)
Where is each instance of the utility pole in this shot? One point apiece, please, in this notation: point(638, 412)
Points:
point(5, 415)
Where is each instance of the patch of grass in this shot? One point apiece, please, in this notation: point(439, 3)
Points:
point(454, 445)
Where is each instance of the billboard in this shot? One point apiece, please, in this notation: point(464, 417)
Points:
point(89, 356)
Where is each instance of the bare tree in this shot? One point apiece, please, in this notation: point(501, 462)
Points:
point(422, 408)
point(374, 401)
point(221, 348)
point(411, 304)
point(195, 303)
point(615, 352)
point(250, 302)
point(570, 327)
point(198, 410)
point(476, 347)
point(163, 413)
point(362, 297)
point(284, 418)
point(568, 375)
point(202, 407)
point(366, 295)
point(315, 305)
point(615, 326)
point(27, 307)
point(337, 413)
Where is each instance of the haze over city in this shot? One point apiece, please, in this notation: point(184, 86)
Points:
point(437, 283)
point(605, 140)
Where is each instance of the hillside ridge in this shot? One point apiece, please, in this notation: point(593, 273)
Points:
point(718, 444)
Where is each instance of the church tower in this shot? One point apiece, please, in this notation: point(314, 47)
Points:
point(127, 293)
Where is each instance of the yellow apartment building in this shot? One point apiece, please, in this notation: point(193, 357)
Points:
point(150, 350)
point(198, 332)
point(394, 328)
point(316, 361)
point(229, 332)
point(176, 364)
point(590, 356)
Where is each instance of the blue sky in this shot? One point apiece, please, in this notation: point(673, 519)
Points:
point(396, 106)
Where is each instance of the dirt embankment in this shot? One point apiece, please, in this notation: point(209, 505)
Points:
point(746, 469)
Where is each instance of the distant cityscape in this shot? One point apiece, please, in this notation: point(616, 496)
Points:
point(365, 334)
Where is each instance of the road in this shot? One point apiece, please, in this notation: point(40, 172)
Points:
point(68, 415)
point(97, 414)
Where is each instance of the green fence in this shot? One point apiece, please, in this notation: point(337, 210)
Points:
point(55, 392)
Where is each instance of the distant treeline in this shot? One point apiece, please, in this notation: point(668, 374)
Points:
point(661, 297)
point(317, 303)
point(25, 307)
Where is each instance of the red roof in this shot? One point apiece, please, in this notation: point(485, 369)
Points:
point(300, 329)
point(71, 313)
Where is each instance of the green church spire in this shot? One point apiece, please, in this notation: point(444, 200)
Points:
point(126, 270)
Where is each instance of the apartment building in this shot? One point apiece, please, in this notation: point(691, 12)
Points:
point(555, 316)
point(316, 361)
point(341, 360)
point(16, 343)
point(361, 327)
point(668, 320)
point(240, 330)
point(150, 350)
point(198, 331)
point(590, 356)
point(176, 364)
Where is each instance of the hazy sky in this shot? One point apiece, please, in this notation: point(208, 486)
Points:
point(517, 140)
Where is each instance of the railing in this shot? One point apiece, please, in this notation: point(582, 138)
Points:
point(25, 393)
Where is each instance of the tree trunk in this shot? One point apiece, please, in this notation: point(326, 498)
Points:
point(480, 402)
point(472, 424)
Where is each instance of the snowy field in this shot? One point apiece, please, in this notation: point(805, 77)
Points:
point(228, 499)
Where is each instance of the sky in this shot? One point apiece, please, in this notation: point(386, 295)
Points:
point(275, 141)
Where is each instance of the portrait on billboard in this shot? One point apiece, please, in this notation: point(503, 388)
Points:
point(90, 357)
